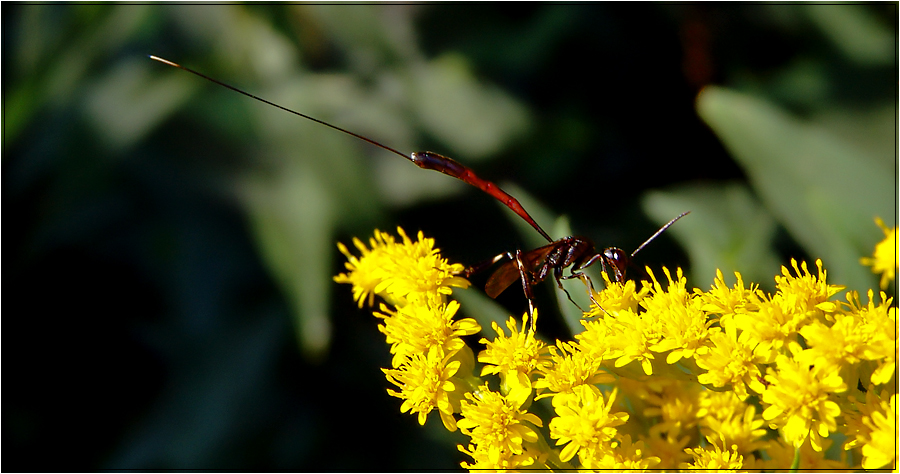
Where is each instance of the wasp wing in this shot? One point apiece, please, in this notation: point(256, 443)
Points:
point(508, 273)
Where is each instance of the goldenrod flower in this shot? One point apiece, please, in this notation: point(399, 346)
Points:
point(683, 327)
point(879, 324)
point(584, 423)
point(671, 321)
point(499, 429)
point(807, 293)
point(714, 458)
point(768, 329)
point(568, 368)
point(670, 451)
point(781, 455)
point(778, 318)
point(858, 432)
point(726, 418)
point(720, 405)
point(632, 336)
point(422, 323)
point(728, 301)
point(874, 427)
point(839, 346)
point(806, 356)
point(515, 357)
point(596, 341)
point(505, 463)
point(426, 382)
point(393, 270)
point(799, 401)
point(624, 456)
point(673, 404)
point(880, 450)
point(730, 362)
point(616, 296)
point(884, 260)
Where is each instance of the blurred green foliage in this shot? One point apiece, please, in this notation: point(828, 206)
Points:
point(170, 243)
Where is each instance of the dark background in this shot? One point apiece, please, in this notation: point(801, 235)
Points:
point(169, 244)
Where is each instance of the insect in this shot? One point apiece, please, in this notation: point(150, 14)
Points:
point(574, 253)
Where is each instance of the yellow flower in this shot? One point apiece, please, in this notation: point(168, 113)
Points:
point(624, 456)
point(632, 336)
point(879, 323)
point(674, 295)
point(393, 270)
point(596, 339)
point(879, 448)
point(499, 429)
point(714, 458)
point(673, 403)
point(840, 346)
point(777, 319)
point(616, 296)
point(781, 457)
point(730, 362)
point(768, 329)
point(884, 260)
point(584, 423)
point(858, 432)
point(798, 399)
point(422, 323)
point(806, 356)
point(727, 420)
point(515, 357)
point(670, 321)
point(506, 462)
point(567, 369)
point(670, 451)
point(720, 405)
point(807, 293)
point(683, 327)
point(727, 301)
point(426, 382)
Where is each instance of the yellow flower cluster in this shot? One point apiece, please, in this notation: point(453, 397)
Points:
point(660, 378)
point(428, 352)
point(884, 260)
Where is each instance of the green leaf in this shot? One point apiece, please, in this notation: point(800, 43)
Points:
point(292, 219)
point(854, 32)
point(473, 118)
point(727, 229)
point(822, 188)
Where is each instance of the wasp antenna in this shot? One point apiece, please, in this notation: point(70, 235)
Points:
point(660, 231)
point(273, 104)
point(166, 61)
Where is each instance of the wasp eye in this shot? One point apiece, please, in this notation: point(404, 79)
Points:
point(615, 254)
point(618, 260)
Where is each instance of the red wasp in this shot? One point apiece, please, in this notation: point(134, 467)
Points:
point(575, 253)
